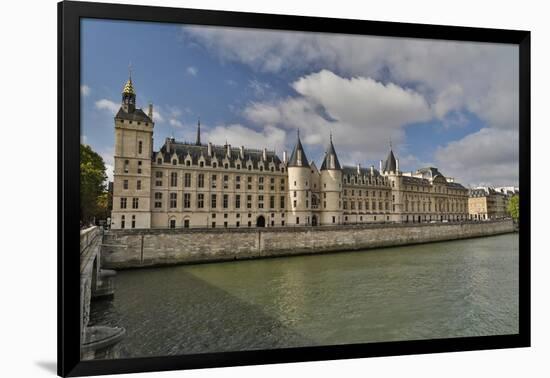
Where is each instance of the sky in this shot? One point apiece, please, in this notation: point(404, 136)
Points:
point(452, 105)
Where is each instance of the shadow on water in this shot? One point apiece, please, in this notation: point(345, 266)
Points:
point(189, 316)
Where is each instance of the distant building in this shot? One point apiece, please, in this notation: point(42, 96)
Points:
point(487, 203)
point(204, 185)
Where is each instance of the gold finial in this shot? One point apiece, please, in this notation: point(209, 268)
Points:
point(129, 86)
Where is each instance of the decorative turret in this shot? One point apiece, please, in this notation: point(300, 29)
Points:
point(198, 141)
point(299, 185)
point(390, 164)
point(298, 157)
point(331, 188)
point(129, 95)
point(331, 160)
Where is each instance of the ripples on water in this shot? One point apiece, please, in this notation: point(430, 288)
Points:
point(439, 290)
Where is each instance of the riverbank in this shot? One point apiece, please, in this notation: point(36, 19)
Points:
point(123, 249)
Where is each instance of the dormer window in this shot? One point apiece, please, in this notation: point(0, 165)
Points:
point(201, 164)
point(226, 166)
point(159, 161)
point(214, 165)
point(238, 166)
point(188, 163)
point(174, 162)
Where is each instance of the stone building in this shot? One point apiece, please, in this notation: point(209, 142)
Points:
point(199, 184)
point(487, 203)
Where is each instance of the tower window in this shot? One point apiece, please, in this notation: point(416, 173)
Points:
point(126, 166)
point(139, 167)
point(140, 147)
point(138, 185)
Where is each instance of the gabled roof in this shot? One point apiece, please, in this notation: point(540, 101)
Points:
point(220, 152)
point(298, 157)
point(331, 159)
point(390, 165)
point(136, 115)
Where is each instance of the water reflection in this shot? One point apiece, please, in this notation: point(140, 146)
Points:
point(462, 288)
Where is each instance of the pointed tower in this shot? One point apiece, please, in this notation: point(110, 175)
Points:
point(299, 186)
point(390, 170)
point(331, 188)
point(198, 141)
point(132, 157)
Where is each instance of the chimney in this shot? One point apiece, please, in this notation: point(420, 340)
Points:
point(380, 166)
point(168, 143)
point(242, 152)
point(372, 170)
point(358, 169)
point(284, 157)
point(210, 149)
point(264, 154)
point(228, 151)
point(396, 166)
point(150, 112)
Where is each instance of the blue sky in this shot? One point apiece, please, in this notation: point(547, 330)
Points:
point(446, 104)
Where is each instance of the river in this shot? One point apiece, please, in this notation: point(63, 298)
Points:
point(438, 290)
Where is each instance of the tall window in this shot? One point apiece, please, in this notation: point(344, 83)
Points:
point(133, 221)
point(135, 203)
point(200, 200)
point(237, 201)
point(174, 179)
point(138, 185)
point(260, 183)
point(237, 182)
point(213, 201)
point(126, 166)
point(201, 180)
point(158, 200)
point(249, 201)
point(225, 181)
point(139, 167)
point(187, 200)
point(122, 221)
point(225, 201)
point(158, 178)
point(282, 203)
point(173, 200)
point(123, 203)
point(140, 147)
point(125, 184)
point(272, 202)
point(187, 180)
point(213, 179)
point(260, 202)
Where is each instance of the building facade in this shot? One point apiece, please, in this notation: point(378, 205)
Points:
point(202, 185)
point(485, 203)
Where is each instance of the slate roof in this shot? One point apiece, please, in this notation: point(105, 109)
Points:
point(352, 171)
point(196, 151)
point(293, 162)
point(136, 115)
point(409, 180)
point(390, 164)
point(335, 163)
point(429, 172)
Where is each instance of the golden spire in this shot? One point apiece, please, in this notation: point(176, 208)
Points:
point(129, 86)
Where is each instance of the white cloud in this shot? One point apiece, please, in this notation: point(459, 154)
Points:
point(259, 88)
point(110, 171)
point(85, 90)
point(361, 113)
point(270, 137)
point(489, 156)
point(176, 123)
point(193, 71)
point(487, 73)
point(108, 105)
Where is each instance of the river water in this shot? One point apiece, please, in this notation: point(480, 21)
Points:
point(437, 290)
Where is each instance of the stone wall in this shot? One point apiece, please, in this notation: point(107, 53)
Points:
point(141, 248)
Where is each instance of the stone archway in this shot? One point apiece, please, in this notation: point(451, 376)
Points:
point(260, 222)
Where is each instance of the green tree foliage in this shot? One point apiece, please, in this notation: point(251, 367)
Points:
point(93, 192)
point(513, 207)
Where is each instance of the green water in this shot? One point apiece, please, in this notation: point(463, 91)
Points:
point(438, 290)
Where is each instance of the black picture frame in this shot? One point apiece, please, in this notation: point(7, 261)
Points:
point(69, 15)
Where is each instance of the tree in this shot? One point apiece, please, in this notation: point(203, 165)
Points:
point(513, 207)
point(92, 184)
